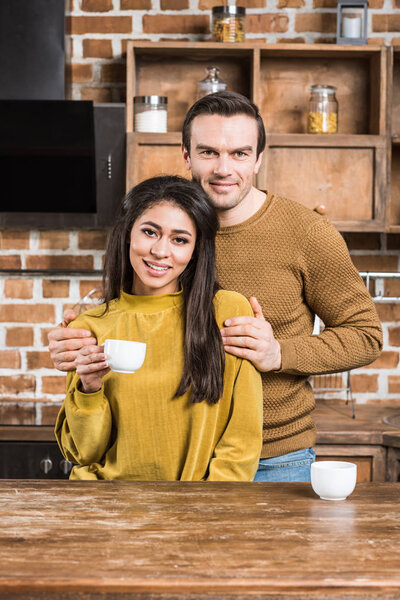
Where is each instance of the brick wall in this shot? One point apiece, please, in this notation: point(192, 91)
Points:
point(97, 32)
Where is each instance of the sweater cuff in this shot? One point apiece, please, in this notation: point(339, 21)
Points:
point(288, 355)
point(91, 401)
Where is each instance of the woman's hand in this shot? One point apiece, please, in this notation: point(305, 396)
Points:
point(91, 366)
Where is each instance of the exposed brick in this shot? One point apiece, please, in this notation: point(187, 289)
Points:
point(96, 5)
point(18, 288)
point(110, 24)
point(136, 5)
point(295, 40)
point(12, 413)
point(113, 73)
point(394, 384)
point(391, 287)
point(376, 41)
point(80, 73)
point(10, 359)
point(395, 41)
point(97, 94)
point(376, 263)
point(176, 24)
point(208, 4)
point(39, 360)
point(267, 23)
point(396, 3)
point(387, 360)
point(362, 384)
point(362, 241)
point(85, 286)
point(388, 312)
point(324, 40)
point(393, 239)
point(53, 240)
point(124, 43)
point(27, 313)
point(92, 240)
point(16, 384)
point(67, 262)
point(10, 262)
point(19, 336)
point(50, 412)
point(290, 4)
point(54, 384)
point(14, 240)
point(383, 23)
point(174, 4)
point(394, 336)
point(97, 49)
point(55, 288)
point(319, 22)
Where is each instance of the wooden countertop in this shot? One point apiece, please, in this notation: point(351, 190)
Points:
point(170, 540)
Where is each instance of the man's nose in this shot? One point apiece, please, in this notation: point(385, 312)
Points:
point(223, 166)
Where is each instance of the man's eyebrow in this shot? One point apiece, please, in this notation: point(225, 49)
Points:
point(241, 149)
point(158, 227)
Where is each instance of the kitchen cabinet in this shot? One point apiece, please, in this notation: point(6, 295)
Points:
point(343, 174)
point(366, 440)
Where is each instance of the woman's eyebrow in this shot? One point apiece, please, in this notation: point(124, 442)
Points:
point(156, 226)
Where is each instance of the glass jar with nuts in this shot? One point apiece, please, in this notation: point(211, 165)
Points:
point(323, 110)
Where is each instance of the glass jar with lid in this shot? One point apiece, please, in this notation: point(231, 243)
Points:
point(150, 113)
point(323, 109)
point(228, 23)
point(210, 84)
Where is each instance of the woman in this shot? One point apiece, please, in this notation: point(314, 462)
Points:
point(190, 412)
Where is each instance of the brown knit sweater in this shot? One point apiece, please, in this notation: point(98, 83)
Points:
point(296, 264)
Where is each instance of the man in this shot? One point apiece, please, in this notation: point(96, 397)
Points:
point(291, 263)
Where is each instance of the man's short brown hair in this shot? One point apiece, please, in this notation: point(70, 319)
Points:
point(226, 104)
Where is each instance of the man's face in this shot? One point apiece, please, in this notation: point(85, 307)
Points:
point(223, 157)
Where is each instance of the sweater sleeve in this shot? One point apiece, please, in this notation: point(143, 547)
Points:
point(238, 450)
point(83, 426)
point(333, 290)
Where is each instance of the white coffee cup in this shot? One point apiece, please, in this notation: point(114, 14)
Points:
point(333, 479)
point(124, 356)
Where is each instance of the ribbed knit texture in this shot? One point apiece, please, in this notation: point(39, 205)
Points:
point(134, 427)
point(296, 264)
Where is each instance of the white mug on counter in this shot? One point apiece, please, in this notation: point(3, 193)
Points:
point(333, 479)
point(124, 356)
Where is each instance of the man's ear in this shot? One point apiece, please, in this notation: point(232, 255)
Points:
point(186, 158)
point(258, 163)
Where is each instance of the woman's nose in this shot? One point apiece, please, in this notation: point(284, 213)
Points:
point(160, 247)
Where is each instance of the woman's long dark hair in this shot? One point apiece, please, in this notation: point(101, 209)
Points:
point(204, 356)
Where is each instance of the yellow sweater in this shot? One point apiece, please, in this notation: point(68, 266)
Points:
point(297, 265)
point(134, 428)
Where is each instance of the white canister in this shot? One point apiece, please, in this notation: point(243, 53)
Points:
point(150, 113)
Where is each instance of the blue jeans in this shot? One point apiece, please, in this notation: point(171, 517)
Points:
point(295, 466)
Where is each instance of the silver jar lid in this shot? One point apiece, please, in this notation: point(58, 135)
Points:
point(231, 10)
point(323, 89)
point(150, 100)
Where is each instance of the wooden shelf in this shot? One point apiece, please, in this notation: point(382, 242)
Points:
point(347, 171)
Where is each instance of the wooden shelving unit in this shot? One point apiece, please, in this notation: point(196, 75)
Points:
point(346, 172)
point(393, 205)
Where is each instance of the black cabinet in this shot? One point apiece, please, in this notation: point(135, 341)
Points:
point(32, 460)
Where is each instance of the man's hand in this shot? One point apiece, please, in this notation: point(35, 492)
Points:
point(252, 338)
point(91, 366)
point(64, 343)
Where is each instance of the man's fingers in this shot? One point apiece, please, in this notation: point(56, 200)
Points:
point(257, 310)
point(240, 341)
point(240, 330)
point(68, 316)
point(61, 333)
point(70, 345)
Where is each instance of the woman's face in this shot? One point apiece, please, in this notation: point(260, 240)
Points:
point(162, 242)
